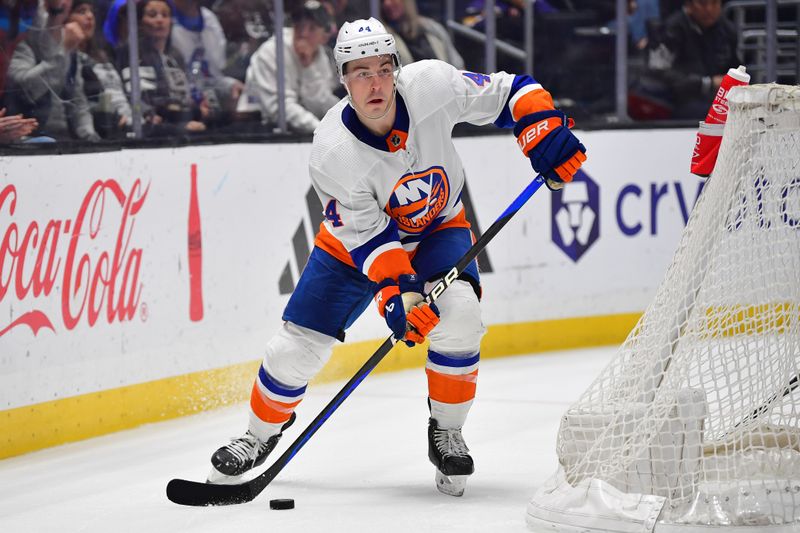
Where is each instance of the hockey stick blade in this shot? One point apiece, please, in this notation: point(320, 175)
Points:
point(185, 492)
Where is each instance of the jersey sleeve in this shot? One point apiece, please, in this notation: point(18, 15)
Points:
point(499, 98)
point(354, 219)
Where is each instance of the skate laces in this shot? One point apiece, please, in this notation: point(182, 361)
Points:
point(246, 448)
point(450, 442)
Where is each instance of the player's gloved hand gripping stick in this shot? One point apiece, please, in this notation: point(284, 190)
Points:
point(186, 492)
point(545, 138)
point(407, 313)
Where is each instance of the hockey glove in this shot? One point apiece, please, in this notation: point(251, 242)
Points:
point(553, 149)
point(406, 313)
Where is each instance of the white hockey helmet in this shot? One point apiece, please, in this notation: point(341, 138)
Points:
point(363, 38)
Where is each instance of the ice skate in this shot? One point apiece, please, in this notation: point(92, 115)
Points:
point(449, 454)
point(242, 454)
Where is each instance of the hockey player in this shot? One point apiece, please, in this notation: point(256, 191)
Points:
point(385, 168)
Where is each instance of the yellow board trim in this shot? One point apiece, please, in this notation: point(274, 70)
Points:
point(34, 427)
point(736, 319)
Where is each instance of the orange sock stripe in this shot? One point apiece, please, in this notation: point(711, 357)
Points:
point(451, 389)
point(532, 102)
point(269, 410)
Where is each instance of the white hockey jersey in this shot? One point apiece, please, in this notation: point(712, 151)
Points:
point(382, 195)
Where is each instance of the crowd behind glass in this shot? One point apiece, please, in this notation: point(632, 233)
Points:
point(211, 67)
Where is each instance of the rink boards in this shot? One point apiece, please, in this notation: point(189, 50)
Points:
point(131, 292)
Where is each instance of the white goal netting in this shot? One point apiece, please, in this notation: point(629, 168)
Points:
point(695, 424)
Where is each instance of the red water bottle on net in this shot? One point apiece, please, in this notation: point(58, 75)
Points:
point(709, 135)
point(718, 112)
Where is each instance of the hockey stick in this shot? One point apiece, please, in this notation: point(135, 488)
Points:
point(185, 492)
point(722, 444)
point(770, 402)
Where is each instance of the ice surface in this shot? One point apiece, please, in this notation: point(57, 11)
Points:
point(366, 469)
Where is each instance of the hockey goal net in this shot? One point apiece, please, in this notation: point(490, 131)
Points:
point(695, 424)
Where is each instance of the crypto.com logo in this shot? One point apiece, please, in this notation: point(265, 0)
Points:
point(576, 216)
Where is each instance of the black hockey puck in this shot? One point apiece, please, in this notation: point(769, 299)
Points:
point(286, 503)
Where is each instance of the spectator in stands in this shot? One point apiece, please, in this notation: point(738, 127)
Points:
point(15, 127)
point(103, 86)
point(247, 24)
point(434, 9)
point(345, 10)
point(642, 13)
point(310, 77)
point(198, 38)
point(168, 105)
point(418, 37)
point(101, 10)
point(44, 80)
point(115, 26)
point(16, 18)
point(697, 49)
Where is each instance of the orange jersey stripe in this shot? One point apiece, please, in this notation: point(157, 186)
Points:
point(326, 241)
point(532, 102)
point(446, 388)
point(390, 264)
point(331, 244)
point(458, 221)
point(269, 410)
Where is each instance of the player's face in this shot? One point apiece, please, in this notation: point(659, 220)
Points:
point(371, 84)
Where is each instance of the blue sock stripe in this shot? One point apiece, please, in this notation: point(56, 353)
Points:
point(455, 362)
point(275, 387)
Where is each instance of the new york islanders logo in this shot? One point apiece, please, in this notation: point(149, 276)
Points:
point(418, 198)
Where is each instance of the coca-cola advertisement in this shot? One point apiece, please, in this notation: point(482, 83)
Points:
point(91, 259)
point(126, 267)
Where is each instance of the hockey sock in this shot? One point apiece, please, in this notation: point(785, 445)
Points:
point(451, 386)
point(271, 404)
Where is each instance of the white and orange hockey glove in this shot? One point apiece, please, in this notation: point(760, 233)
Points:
point(406, 312)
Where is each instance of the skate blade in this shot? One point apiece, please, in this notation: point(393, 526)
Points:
point(451, 485)
point(218, 478)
